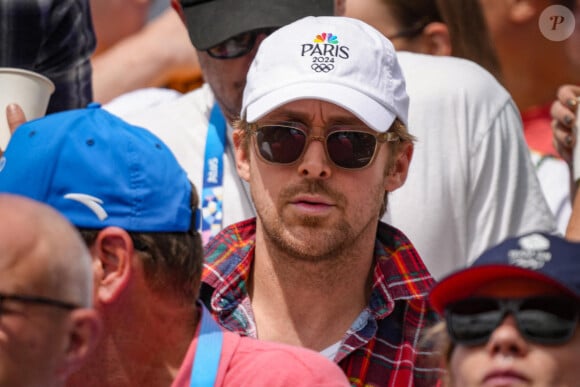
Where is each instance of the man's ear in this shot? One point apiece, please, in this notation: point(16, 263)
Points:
point(436, 39)
point(397, 173)
point(84, 333)
point(242, 156)
point(523, 11)
point(114, 251)
point(179, 9)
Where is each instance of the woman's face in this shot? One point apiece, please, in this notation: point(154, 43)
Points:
point(507, 359)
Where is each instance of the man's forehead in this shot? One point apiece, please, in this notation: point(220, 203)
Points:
point(26, 271)
point(306, 110)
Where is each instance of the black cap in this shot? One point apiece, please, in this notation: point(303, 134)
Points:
point(210, 22)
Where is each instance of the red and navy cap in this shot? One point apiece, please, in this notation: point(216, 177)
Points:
point(539, 256)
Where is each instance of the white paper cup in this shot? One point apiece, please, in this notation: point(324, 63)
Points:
point(26, 88)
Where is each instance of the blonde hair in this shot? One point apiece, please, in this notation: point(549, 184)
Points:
point(437, 339)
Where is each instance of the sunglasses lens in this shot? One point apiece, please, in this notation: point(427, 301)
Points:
point(471, 321)
point(234, 47)
point(280, 144)
point(543, 320)
point(351, 150)
point(548, 320)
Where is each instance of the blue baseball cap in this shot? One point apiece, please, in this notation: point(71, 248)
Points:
point(539, 256)
point(98, 171)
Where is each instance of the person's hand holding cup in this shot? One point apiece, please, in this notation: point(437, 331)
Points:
point(25, 95)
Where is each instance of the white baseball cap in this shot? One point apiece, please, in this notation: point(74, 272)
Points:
point(335, 59)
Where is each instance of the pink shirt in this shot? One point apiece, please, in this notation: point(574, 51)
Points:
point(249, 362)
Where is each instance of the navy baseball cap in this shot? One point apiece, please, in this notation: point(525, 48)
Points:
point(539, 256)
point(98, 171)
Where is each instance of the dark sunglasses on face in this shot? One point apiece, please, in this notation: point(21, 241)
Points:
point(238, 45)
point(345, 146)
point(542, 320)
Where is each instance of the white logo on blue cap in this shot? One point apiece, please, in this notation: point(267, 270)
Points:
point(92, 202)
point(534, 252)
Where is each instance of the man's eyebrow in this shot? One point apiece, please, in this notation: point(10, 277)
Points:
point(344, 120)
point(292, 115)
point(289, 115)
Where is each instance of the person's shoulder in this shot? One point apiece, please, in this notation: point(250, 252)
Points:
point(436, 64)
point(399, 259)
point(153, 100)
point(140, 100)
point(166, 111)
point(257, 362)
point(449, 74)
point(460, 93)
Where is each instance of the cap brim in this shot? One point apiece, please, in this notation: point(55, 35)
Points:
point(465, 283)
point(208, 25)
point(372, 113)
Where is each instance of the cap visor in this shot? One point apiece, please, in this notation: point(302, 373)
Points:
point(465, 283)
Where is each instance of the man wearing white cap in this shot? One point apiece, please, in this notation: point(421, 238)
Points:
point(226, 35)
point(322, 140)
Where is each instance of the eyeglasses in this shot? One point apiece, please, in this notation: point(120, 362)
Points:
point(346, 147)
point(238, 45)
point(543, 320)
point(36, 300)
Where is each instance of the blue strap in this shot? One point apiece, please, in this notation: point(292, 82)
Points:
point(207, 354)
point(213, 175)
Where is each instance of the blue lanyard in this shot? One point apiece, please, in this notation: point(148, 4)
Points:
point(213, 175)
point(207, 354)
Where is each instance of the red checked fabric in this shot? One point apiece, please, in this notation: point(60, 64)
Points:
point(384, 351)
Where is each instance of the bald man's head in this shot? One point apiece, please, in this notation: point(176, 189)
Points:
point(47, 328)
point(42, 252)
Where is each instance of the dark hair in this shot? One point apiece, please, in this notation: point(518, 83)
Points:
point(172, 261)
point(414, 14)
point(570, 4)
point(469, 34)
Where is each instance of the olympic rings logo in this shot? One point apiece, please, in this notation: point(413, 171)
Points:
point(322, 67)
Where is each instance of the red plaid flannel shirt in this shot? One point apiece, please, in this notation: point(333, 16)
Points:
point(383, 352)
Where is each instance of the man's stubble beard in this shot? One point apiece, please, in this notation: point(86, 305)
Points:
point(319, 244)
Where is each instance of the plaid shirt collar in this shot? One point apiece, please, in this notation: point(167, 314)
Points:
point(382, 347)
point(399, 273)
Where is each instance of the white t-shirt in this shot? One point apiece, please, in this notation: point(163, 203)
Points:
point(554, 176)
point(471, 182)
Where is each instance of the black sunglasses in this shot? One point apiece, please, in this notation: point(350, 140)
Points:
point(36, 300)
point(346, 147)
point(543, 320)
point(238, 45)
